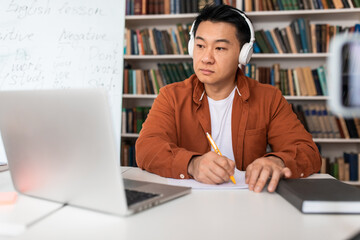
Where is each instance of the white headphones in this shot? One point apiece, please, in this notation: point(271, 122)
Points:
point(246, 50)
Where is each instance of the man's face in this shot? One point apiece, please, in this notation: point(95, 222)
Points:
point(216, 53)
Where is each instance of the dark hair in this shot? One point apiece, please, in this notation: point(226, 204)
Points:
point(228, 14)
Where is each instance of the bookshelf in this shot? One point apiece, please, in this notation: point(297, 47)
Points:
point(266, 20)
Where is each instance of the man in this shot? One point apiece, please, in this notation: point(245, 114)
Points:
point(242, 115)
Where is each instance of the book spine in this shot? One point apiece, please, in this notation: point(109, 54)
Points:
point(353, 161)
point(289, 195)
point(271, 41)
point(322, 78)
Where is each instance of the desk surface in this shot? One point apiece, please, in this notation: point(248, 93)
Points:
point(203, 214)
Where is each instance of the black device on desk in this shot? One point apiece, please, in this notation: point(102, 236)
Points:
point(344, 75)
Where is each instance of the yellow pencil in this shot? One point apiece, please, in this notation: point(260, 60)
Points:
point(213, 144)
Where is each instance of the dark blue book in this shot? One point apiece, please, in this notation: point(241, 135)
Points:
point(350, 124)
point(177, 6)
point(248, 70)
point(317, 82)
point(256, 48)
point(297, 38)
point(133, 39)
point(345, 3)
point(316, 4)
point(357, 27)
point(271, 41)
point(281, 6)
point(303, 37)
point(272, 77)
point(353, 160)
point(320, 4)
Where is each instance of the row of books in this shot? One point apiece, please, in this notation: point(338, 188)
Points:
point(299, 81)
point(276, 5)
point(153, 41)
point(316, 118)
point(138, 81)
point(133, 118)
point(344, 168)
point(128, 154)
point(143, 7)
point(300, 36)
point(321, 123)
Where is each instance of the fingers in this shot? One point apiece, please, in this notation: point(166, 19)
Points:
point(286, 172)
point(276, 176)
point(227, 164)
point(251, 176)
point(222, 169)
point(274, 180)
point(211, 168)
point(258, 173)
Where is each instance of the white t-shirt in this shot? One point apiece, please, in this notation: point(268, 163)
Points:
point(220, 114)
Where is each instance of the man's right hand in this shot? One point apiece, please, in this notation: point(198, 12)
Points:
point(211, 168)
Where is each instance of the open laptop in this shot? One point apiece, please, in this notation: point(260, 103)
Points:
point(60, 146)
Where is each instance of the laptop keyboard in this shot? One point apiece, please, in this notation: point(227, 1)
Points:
point(133, 196)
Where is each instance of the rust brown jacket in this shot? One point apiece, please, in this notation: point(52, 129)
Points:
point(175, 128)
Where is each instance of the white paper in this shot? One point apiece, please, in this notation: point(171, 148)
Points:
point(239, 178)
point(11, 230)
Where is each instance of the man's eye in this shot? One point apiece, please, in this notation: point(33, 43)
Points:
point(200, 46)
point(220, 48)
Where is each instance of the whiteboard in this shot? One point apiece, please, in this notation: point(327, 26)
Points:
point(57, 44)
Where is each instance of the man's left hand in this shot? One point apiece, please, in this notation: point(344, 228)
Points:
point(260, 170)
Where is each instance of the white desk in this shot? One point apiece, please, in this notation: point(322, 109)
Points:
point(203, 214)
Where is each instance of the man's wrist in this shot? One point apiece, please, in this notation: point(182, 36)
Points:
point(277, 160)
point(191, 166)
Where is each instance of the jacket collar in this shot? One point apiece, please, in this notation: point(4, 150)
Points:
point(199, 88)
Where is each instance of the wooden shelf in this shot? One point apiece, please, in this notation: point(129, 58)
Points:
point(129, 135)
point(291, 98)
point(306, 98)
point(336, 140)
point(303, 12)
point(140, 96)
point(290, 55)
point(255, 56)
point(182, 16)
point(254, 14)
point(317, 140)
point(157, 57)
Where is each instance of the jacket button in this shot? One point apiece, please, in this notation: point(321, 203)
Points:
point(302, 174)
point(182, 176)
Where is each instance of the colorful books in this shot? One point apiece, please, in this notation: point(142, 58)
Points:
point(153, 41)
point(261, 5)
point(143, 7)
point(318, 121)
point(149, 81)
point(300, 36)
point(300, 81)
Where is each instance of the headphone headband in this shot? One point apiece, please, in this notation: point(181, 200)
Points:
point(246, 50)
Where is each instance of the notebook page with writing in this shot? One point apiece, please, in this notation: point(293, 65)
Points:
point(239, 177)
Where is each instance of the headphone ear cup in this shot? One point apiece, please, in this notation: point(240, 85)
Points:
point(191, 45)
point(245, 53)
